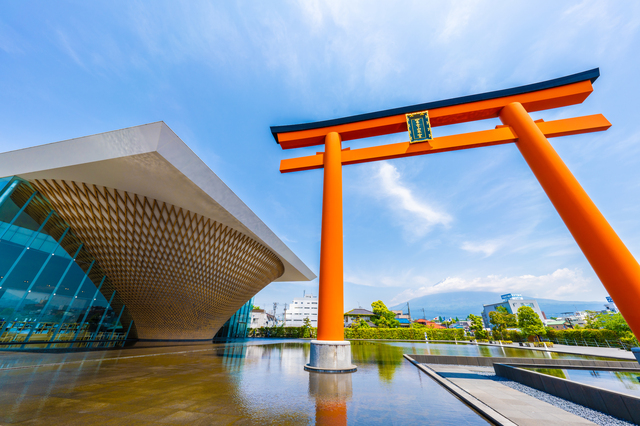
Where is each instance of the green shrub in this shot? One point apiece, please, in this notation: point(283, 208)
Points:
point(599, 336)
point(403, 334)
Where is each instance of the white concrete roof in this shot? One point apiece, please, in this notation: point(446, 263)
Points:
point(150, 160)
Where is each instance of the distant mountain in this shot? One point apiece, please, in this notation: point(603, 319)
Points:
point(461, 304)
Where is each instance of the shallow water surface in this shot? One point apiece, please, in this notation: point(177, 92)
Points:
point(619, 381)
point(251, 382)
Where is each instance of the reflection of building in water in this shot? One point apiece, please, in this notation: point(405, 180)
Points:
point(331, 393)
point(123, 235)
point(233, 356)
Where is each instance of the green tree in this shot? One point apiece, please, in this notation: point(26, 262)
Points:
point(529, 322)
point(361, 324)
point(615, 322)
point(477, 327)
point(383, 318)
point(501, 319)
point(305, 330)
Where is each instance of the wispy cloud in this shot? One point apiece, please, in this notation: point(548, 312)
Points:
point(486, 247)
point(403, 279)
point(562, 284)
point(417, 216)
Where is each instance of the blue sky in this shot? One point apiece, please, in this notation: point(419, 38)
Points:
point(220, 73)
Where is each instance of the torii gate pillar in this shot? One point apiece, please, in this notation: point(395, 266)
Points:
point(331, 353)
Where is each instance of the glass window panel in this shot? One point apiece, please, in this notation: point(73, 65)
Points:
point(9, 252)
point(27, 222)
point(25, 270)
point(57, 310)
point(8, 210)
point(3, 182)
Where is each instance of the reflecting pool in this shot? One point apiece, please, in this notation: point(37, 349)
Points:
point(619, 381)
point(260, 381)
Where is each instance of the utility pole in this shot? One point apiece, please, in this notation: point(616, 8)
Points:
point(275, 307)
point(285, 313)
point(423, 314)
point(409, 310)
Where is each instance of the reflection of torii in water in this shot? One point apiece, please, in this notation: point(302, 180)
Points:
point(607, 254)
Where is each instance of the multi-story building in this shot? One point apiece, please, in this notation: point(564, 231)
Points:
point(512, 302)
point(261, 318)
point(301, 308)
point(610, 306)
point(401, 315)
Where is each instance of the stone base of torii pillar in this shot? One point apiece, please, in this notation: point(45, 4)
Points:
point(330, 357)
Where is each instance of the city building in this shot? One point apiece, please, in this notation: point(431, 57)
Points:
point(512, 302)
point(126, 235)
point(261, 318)
point(400, 314)
point(356, 315)
point(301, 308)
point(556, 324)
point(404, 322)
point(610, 306)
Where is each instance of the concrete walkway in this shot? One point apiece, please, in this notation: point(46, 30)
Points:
point(518, 407)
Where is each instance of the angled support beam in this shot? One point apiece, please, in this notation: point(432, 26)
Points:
point(611, 260)
point(498, 136)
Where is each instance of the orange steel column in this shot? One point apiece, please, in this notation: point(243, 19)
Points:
point(611, 260)
point(331, 295)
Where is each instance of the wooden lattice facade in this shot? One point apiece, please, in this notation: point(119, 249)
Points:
point(180, 275)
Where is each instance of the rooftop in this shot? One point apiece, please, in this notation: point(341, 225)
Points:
point(360, 311)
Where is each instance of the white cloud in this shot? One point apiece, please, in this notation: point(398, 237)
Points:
point(486, 247)
point(563, 284)
point(418, 216)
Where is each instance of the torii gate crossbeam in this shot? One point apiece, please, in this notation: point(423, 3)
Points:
point(611, 260)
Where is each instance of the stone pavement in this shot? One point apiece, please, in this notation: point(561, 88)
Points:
point(516, 406)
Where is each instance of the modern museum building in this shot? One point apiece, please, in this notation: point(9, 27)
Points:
point(122, 236)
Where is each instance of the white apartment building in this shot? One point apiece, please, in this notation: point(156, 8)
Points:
point(301, 308)
point(260, 318)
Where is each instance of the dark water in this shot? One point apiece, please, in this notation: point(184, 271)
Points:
point(254, 382)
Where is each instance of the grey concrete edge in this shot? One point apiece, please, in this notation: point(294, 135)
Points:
point(489, 413)
point(352, 369)
point(624, 411)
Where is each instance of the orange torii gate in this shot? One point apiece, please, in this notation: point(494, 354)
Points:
point(611, 260)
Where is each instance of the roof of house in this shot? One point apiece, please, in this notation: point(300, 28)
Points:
point(360, 311)
point(403, 321)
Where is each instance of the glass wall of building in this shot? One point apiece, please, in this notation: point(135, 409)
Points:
point(238, 324)
point(53, 293)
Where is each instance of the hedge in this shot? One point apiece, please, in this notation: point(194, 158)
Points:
point(404, 333)
point(363, 333)
point(294, 332)
point(599, 336)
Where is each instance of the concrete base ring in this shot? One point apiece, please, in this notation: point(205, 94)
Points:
point(330, 357)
